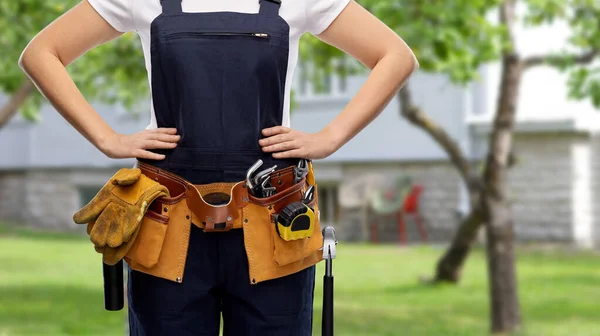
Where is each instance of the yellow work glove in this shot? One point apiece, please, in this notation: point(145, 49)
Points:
point(114, 215)
point(111, 256)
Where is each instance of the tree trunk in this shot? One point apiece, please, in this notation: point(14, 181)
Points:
point(16, 100)
point(449, 267)
point(505, 310)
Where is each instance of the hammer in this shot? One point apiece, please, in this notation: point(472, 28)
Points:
point(329, 253)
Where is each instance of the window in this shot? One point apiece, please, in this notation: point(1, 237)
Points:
point(336, 205)
point(324, 204)
point(328, 82)
point(343, 75)
point(327, 79)
point(328, 203)
point(87, 193)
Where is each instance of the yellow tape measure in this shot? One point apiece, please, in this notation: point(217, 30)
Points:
point(296, 220)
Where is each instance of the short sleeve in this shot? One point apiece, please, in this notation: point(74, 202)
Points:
point(321, 13)
point(118, 13)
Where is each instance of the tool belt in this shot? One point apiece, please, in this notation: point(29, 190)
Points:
point(160, 248)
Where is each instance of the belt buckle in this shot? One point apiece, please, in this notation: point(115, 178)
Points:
point(218, 217)
point(217, 199)
point(211, 226)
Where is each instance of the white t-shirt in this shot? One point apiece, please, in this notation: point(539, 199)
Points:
point(303, 16)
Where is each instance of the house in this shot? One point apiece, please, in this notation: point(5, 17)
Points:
point(48, 171)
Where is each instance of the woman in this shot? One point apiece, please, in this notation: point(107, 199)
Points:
point(220, 73)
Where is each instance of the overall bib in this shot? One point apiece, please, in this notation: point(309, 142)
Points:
point(219, 79)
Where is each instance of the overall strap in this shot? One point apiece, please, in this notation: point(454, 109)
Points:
point(269, 7)
point(170, 7)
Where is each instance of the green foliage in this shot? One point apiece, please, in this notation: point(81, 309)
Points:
point(112, 73)
point(456, 37)
point(583, 19)
point(450, 37)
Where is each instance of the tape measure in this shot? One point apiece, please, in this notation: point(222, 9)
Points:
point(296, 220)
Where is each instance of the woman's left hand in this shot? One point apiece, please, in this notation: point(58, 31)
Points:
point(285, 143)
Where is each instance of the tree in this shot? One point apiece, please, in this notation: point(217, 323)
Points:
point(113, 73)
point(455, 38)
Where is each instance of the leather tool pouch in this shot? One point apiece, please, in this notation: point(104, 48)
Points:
point(149, 242)
point(269, 256)
point(162, 243)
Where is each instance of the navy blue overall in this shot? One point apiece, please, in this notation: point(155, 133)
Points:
point(219, 79)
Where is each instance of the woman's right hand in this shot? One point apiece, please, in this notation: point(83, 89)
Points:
point(123, 146)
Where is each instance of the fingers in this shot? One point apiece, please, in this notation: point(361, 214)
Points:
point(275, 130)
point(163, 130)
point(156, 144)
point(280, 147)
point(144, 154)
point(275, 139)
point(295, 153)
point(127, 176)
point(99, 234)
point(93, 209)
point(160, 138)
point(115, 235)
point(164, 137)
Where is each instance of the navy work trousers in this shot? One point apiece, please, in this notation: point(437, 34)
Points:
point(216, 285)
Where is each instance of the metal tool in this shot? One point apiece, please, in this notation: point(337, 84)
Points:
point(329, 253)
point(301, 170)
point(263, 174)
point(266, 188)
point(260, 180)
point(264, 180)
point(249, 173)
point(309, 194)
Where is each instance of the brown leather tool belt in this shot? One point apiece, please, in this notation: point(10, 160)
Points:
point(162, 244)
point(201, 199)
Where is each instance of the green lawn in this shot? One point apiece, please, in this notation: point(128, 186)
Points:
point(52, 285)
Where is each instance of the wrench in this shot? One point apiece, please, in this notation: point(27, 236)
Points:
point(301, 170)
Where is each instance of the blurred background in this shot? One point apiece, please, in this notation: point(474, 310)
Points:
point(469, 207)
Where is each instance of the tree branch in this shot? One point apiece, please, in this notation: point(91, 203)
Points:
point(584, 58)
point(16, 100)
point(418, 118)
point(449, 266)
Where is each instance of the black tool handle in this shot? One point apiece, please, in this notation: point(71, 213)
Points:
point(113, 286)
point(327, 318)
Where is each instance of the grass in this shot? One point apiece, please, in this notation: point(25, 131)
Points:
point(52, 285)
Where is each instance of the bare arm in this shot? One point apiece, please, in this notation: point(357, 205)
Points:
point(364, 37)
point(45, 60)
point(378, 48)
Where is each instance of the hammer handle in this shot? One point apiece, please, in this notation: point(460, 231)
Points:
point(114, 296)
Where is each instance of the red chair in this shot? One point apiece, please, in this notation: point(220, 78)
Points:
point(411, 207)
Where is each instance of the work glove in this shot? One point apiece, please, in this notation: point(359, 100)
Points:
point(110, 255)
point(114, 215)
